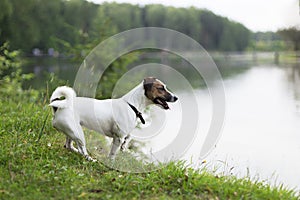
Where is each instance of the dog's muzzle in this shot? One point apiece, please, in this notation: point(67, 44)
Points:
point(163, 101)
point(173, 99)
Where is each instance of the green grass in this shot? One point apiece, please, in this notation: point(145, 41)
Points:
point(32, 169)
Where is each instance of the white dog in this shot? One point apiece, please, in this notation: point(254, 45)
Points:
point(114, 118)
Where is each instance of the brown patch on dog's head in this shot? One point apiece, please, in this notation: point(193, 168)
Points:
point(156, 91)
point(148, 84)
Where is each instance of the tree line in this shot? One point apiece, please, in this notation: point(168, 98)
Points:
point(63, 24)
point(292, 36)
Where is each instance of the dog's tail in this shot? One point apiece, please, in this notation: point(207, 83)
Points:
point(62, 97)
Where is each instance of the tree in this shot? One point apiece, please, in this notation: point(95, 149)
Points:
point(292, 35)
point(22, 31)
point(155, 15)
point(11, 76)
point(5, 12)
point(212, 29)
point(64, 24)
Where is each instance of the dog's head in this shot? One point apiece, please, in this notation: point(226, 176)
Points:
point(156, 91)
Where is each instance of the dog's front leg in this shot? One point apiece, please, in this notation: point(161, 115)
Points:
point(115, 146)
point(125, 143)
point(69, 145)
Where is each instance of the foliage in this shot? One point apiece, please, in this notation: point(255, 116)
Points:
point(37, 23)
point(267, 41)
point(113, 73)
point(32, 169)
point(11, 76)
point(292, 35)
point(62, 25)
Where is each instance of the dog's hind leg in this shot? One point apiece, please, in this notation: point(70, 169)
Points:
point(115, 146)
point(82, 150)
point(69, 145)
point(80, 141)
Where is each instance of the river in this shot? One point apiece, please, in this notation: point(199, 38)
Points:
point(260, 137)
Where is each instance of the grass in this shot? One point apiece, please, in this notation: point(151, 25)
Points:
point(43, 169)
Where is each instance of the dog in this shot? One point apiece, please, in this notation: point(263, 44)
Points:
point(115, 118)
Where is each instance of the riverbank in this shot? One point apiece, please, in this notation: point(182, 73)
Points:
point(34, 165)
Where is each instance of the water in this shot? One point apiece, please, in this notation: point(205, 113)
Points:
point(261, 133)
point(260, 138)
point(42, 67)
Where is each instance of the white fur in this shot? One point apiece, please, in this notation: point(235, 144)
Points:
point(111, 117)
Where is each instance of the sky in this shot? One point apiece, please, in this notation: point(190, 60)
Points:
point(257, 15)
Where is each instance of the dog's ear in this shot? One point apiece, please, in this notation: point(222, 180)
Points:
point(148, 83)
point(59, 104)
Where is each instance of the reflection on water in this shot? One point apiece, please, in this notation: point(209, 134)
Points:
point(261, 133)
point(293, 74)
point(261, 137)
point(41, 68)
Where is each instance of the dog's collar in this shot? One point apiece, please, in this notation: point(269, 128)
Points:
point(137, 113)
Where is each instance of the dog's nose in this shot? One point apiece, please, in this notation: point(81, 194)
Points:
point(175, 98)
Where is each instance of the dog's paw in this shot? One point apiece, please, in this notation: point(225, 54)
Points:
point(93, 160)
point(71, 148)
point(123, 147)
point(74, 149)
point(89, 158)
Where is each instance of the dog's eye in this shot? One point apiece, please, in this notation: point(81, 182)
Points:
point(161, 88)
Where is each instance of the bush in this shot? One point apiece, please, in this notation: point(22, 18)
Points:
point(11, 76)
